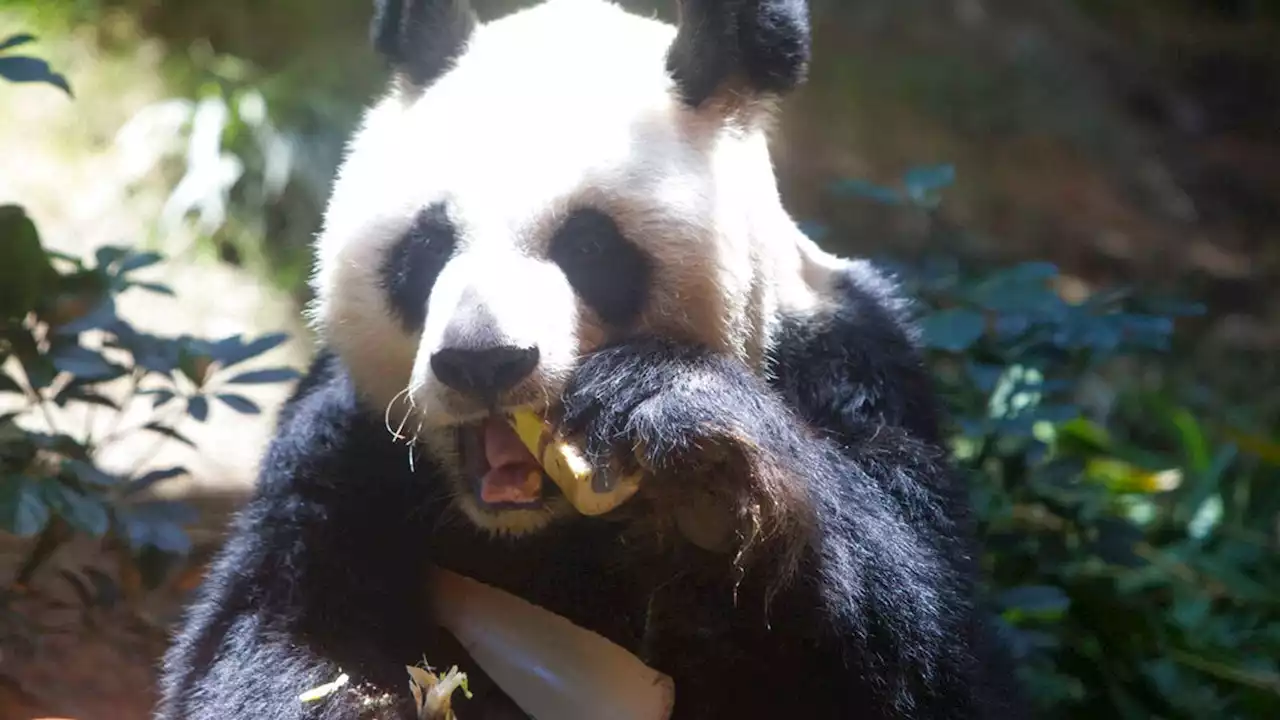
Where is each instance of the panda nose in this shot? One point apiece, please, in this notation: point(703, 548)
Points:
point(484, 373)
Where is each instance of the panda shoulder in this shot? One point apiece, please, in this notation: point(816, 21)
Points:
point(866, 300)
point(323, 425)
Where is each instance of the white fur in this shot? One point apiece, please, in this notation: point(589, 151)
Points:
point(557, 106)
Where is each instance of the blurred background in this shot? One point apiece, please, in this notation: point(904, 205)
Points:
point(1084, 194)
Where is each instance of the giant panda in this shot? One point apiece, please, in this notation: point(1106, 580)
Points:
point(573, 208)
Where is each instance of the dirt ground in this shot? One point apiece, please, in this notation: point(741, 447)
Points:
point(98, 665)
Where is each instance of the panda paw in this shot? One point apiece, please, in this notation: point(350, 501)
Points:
point(692, 419)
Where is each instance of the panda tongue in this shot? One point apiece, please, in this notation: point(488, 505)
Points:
point(514, 475)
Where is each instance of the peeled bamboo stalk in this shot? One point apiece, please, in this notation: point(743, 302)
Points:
point(551, 668)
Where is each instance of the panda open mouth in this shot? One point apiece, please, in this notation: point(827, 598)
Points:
point(503, 473)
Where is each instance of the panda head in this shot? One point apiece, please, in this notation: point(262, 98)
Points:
point(530, 189)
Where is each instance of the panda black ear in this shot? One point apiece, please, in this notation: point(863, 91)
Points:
point(757, 47)
point(421, 38)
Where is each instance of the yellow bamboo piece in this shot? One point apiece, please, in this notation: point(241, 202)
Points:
point(568, 469)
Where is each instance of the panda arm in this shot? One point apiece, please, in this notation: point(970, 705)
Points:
point(863, 596)
point(320, 574)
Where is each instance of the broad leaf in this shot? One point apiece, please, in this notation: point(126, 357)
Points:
point(14, 41)
point(83, 512)
point(239, 403)
point(24, 267)
point(924, 184)
point(23, 511)
point(80, 391)
point(158, 288)
point(1039, 600)
point(90, 474)
point(233, 350)
point(153, 477)
point(168, 432)
point(137, 261)
point(22, 69)
point(85, 364)
point(264, 377)
point(161, 396)
point(953, 330)
point(101, 316)
point(198, 408)
point(159, 525)
point(862, 188)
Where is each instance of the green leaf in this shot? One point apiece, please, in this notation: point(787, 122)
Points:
point(81, 511)
point(24, 267)
point(107, 255)
point(198, 408)
point(161, 396)
point(102, 316)
point(159, 525)
point(193, 362)
point(1035, 600)
point(264, 377)
point(22, 69)
point(1206, 517)
point(1022, 290)
point(239, 403)
point(40, 371)
point(153, 477)
point(80, 391)
point(23, 511)
point(151, 353)
point(137, 261)
point(61, 444)
point(14, 41)
point(90, 474)
point(953, 330)
point(168, 432)
point(923, 184)
point(85, 364)
point(233, 350)
point(1194, 443)
point(869, 190)
point(157, 288)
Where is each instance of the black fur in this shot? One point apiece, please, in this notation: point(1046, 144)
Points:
point(421, 38)
point(763, 44)
point(879, 619)
point(410, 267)
point(607, 271)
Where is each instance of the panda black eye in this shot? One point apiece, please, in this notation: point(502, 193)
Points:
point(413, 263)
point(607, 271)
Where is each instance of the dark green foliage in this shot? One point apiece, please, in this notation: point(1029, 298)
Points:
point(1132, 537)
point(60, 342)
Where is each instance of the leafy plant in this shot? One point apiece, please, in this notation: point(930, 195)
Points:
point(1132, 540)
point(63, 346)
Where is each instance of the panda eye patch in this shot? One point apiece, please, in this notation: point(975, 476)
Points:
point(413, 263)
point(607, 271)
